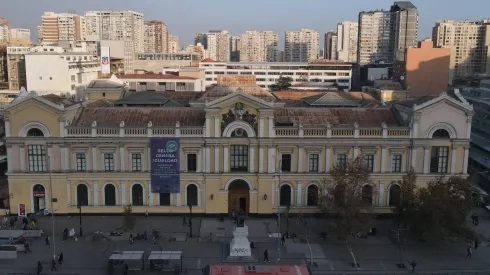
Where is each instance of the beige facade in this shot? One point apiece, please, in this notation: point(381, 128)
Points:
point(301, 46)
point(173, 43)
point(239, 148)
point(156, 37)
point(258, 46)
point(58, 27)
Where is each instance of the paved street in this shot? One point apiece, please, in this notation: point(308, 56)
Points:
point(376, 254)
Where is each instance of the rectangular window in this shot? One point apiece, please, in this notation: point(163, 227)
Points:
point(108, 162)
point(239, 158)
point(164, 199)
point(438, 159)
point(396, 163)
point(369, 162)
point(81, 162)
point(286, 163)
point(342, 161)
point(191, 162)
point(136, 163)
point(37, 158)
point(313, 163)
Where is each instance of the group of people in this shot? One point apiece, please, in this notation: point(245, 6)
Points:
point(53, 264)
point(70, 233)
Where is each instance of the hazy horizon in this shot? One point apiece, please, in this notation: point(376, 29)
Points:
point(185, 18)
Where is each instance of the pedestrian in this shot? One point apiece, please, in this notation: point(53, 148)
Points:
point(211, 237)
point(468, 252)
point(7, 212)
point(266, 256)
point(126, 269)
point(184, 221)
point(146, 214)
point(145, 236)
point(60, 259)
point(413, 264)
point(47, 240)
point(476, 244)
point(65, 234)
point(26, 247)
point(39, 268)
point(131, 238)
point(154, 238)
point(221, 218)
point(283, 239)
point(53, 265)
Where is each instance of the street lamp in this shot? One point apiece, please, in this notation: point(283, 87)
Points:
point(190, 220)
point(52, 206)
point(80, 216)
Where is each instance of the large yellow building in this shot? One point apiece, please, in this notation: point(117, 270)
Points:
point(239, 148)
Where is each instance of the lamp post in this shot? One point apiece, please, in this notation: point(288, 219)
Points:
point(190, 220)
point(52, 207)
point(80, 216)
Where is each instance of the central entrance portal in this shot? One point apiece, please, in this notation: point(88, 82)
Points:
point(238, 197)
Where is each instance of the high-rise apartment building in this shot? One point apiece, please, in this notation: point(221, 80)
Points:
point(468, 41)
point(21, 34)
point(116, 25)
point(216, 43)
point(4, 29)
point(347, 34)
point(385, 35)
point(301, 46)
point(62, 27)
point(328, 44)
point(258, 46)
point(173, 43)
point(39, 34)
point(17, 67)
point(234, 48)
point(156, 37)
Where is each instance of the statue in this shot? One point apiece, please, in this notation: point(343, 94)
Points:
point(121, 124)
point(177, 124)
point(150, 124)
point(94, 123)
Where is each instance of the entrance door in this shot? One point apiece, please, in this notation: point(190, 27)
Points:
point(243, 203)
point(238, 197)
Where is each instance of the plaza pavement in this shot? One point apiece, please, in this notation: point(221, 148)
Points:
point(376, 254)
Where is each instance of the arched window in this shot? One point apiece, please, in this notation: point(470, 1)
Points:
point(339, 194)
point(35, 132)
point(312, 195)
point(110, 195)
point(367, 194)
point(441, 133)
point(191, 195)
point(285, 195)
point(137, 195)
point(82, 194)
point(395, 192)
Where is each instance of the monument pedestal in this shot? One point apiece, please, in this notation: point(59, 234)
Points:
point(239, 249)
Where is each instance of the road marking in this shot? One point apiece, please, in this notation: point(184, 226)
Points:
point(199, 263)
point(383, 265)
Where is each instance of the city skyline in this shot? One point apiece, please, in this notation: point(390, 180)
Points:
point(322, 18)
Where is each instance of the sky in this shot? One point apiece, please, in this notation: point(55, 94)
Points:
point(187, 17)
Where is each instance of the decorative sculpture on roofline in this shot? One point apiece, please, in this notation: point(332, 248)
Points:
point(238, 113)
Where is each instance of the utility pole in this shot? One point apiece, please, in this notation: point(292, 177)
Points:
point(80, 216)
point(190, 220)
point(52, 207)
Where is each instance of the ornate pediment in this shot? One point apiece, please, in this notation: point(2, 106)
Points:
point(238, 113)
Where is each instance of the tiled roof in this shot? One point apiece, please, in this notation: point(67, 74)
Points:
point(104, 84)
point(101, 103)
point(154, 76)
point(323, 98)
point(217, 91)
point(337, 116)
point(56, 99)
point(137, 116)
point(208, 60)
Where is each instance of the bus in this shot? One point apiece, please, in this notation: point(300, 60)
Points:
point(256, 269)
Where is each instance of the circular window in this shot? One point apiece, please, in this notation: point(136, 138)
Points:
point(239, 132)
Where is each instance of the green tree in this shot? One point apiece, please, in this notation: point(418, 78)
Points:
point(352, 212)
point(406, 207)
point(282, 83)
point(129, 221)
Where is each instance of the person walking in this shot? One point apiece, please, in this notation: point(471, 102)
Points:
point(126, 268)
point(131, 241)
point(47, 240)
point(266, 256)
point(65, 234)
point(60, 259)
point(26, 247)
point(146, 214)
point(39, 268)
point(184, 221)
point(53, 265)
point(413, 264)
point(283, 239)
point(468, 252)
point(476, 244)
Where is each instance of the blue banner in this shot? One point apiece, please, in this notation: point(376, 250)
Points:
point(165, 165)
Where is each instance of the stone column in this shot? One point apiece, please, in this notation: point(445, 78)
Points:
point(9, 158)
point(199, 160)
point(453, 161)
point(7, 127)
point(261, 127)
point(381, 194)
point(468, 127)
point(68, 193)
point(62, 126)
point(50, 154)
point(122, 158)
point(150, 194)
point(216, 159)
point(148, 158)
point(261, 159)
point(414, 158)
point(177, 199)
point(94, 158)
point(273, 194)
point(208, 159)
point(217, 128)
point(465, 160)
point(226, 161)
point(271, 167)
point(22, 157)
point(252, 158)
point(208, 127)
point(300, 159)
point(123, 192)
point(298, 193)
point(426, 159)
point(383, 159)
point(272, 132)
point(96, 193)
point(327, 159)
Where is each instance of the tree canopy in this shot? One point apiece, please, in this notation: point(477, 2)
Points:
point(282, 83)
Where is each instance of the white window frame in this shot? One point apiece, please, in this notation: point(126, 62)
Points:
point(317, 164)
point(141, 161)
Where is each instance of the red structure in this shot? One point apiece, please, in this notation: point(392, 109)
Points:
point(256, 269)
